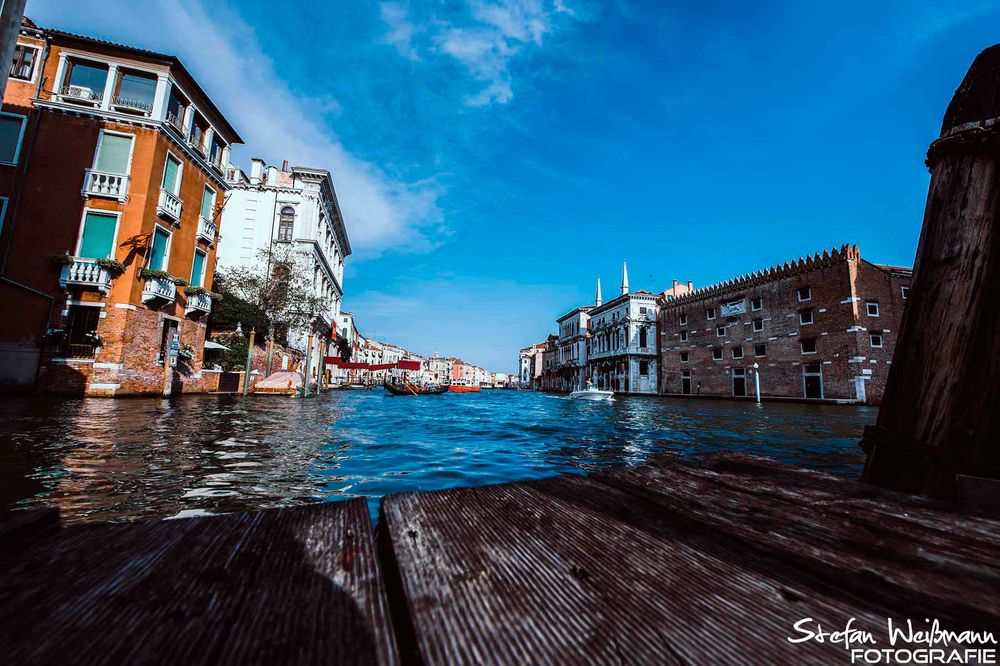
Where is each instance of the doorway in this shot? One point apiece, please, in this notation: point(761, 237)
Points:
point(739, 382)
point(812, 381)
point(685, 382)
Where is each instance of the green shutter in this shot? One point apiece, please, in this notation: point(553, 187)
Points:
point(158, 255)
point(112, 156)
point(10, 136)
point(197, 275)
point(98, 236)
point(206, 203)
point(170, 175)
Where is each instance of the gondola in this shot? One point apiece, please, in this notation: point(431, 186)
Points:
point(399, 388)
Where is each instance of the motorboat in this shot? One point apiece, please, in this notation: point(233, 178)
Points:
point(592, 393)
point(463, 386)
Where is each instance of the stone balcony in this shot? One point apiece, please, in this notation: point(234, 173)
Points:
point(105, 184)
point(85, 273)
point(198, 305)
point(169, 206)
point(206, 230)
point(158, 291)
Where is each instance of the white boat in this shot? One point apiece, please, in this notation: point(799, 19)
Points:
point(592, 393)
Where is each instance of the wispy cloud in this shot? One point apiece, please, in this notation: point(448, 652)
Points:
point(383, 212)
point(485, 38)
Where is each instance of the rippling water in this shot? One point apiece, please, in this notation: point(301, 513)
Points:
point(100, 459)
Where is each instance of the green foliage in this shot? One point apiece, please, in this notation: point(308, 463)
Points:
point(148, 273)
point(113, 266)
point(230, 310)
point(61, 259)
point(230, 359)
point(344, 349)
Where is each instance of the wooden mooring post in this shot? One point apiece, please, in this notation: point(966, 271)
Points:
point(939, 418)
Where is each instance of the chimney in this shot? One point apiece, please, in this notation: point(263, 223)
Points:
point(284, 165)
point(272, 174)
point(673, 289)
point(690, 285)
point(256, 170)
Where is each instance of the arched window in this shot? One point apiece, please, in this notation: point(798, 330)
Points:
point(642, 337)
point(286, 223)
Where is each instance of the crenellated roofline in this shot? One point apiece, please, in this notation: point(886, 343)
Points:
point(796, 267)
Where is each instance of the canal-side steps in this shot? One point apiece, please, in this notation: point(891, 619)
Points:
point(710, 561)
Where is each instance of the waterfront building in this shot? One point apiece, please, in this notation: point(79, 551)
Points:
point(297, 208)
point(621, 350)
point(112, 175)
point(530, 366)
point(345, 328)
point(439, 369)
point(571, 359)
point(547, 380)
point(817, 328)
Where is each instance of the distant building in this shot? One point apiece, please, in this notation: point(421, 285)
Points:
point(621, 352)
point(571, 362)
point(295, 207)
point(818, 328)
point(345, 328)
point(112, 174)
point(548, 380)
point(439, 369)
point(530, 366)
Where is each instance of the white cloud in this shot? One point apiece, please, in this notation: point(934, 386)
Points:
point(485, 39)
point(382, 212)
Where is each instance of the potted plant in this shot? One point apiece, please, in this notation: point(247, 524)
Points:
point(112, 266)
point(186, 352)
point(61, 259)
point(92, 338)
point(150, 273)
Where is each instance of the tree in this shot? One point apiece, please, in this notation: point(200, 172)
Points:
point(344, 349)
point(274, 288)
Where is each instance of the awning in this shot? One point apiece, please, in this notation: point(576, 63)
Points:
point(214, 345)
point(347, 365)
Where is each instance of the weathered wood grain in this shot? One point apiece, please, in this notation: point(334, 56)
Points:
point(890, 559)
point(297, 585)
point(572, 569)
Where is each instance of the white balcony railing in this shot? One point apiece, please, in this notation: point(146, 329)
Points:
point(104, 184)
point(158, 288)
point(206, 230)
point(133, 105)
point(169, 206)
point(82, 94)
point(87, 274)
point(198, 304)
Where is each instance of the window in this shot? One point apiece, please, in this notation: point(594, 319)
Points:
point(737, 352)
point(135, 91)
point(176, 108)
point(905, 291)
point(872, 308)
point(684, 336)
point(159, 251)
point(172, 175)
point(642, 310)
point(113, 153)
point(207, 203)
point(758, 325)
point(643, 368)
point(84, 81)
point(805, 317)
point(198, 269)
point(805, 294)
point(683, 320)
point(23, 66)
point(80, 329)
point(717, 353)
point(875, 337)
point(643, 337)
point(286, 223)
point(757, 304)
point(98, 238)
point(710, 314)
point(11, 134)
point(760, 350)
point(3, 212)
point(684, 357)
point(720, 331)
point(808, 345)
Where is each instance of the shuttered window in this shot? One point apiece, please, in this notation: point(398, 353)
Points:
point(198, 269)
point(11, 132)
point(158, 253)
point(171, 175)
point(113, 153)
point(98, 235)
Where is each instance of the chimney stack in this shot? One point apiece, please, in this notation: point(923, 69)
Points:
point(284, 166)
point(690, 285)
point(256, 170)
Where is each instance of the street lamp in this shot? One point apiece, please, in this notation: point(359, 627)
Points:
point(756, 380)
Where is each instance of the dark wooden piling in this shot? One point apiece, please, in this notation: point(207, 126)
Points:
point(939, 416)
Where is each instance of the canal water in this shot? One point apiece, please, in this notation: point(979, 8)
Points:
point(98, 459)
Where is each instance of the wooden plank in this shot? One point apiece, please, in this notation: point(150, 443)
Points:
point(300, 584)
point(18, 527)
point(906, 561)
point(570, 569)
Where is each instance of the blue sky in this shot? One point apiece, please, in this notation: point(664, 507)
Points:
point(494, 157)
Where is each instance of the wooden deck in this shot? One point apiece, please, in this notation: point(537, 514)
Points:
point(676, 562)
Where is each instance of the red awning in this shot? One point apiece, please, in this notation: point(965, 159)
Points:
point(347, 365)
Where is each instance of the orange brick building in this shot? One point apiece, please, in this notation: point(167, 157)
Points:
point(112, 164)
point(820, 328)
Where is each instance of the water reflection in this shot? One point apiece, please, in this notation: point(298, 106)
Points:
point(122, 459)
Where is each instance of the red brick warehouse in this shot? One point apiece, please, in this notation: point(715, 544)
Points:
point(821, 328)
point(112, 176)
